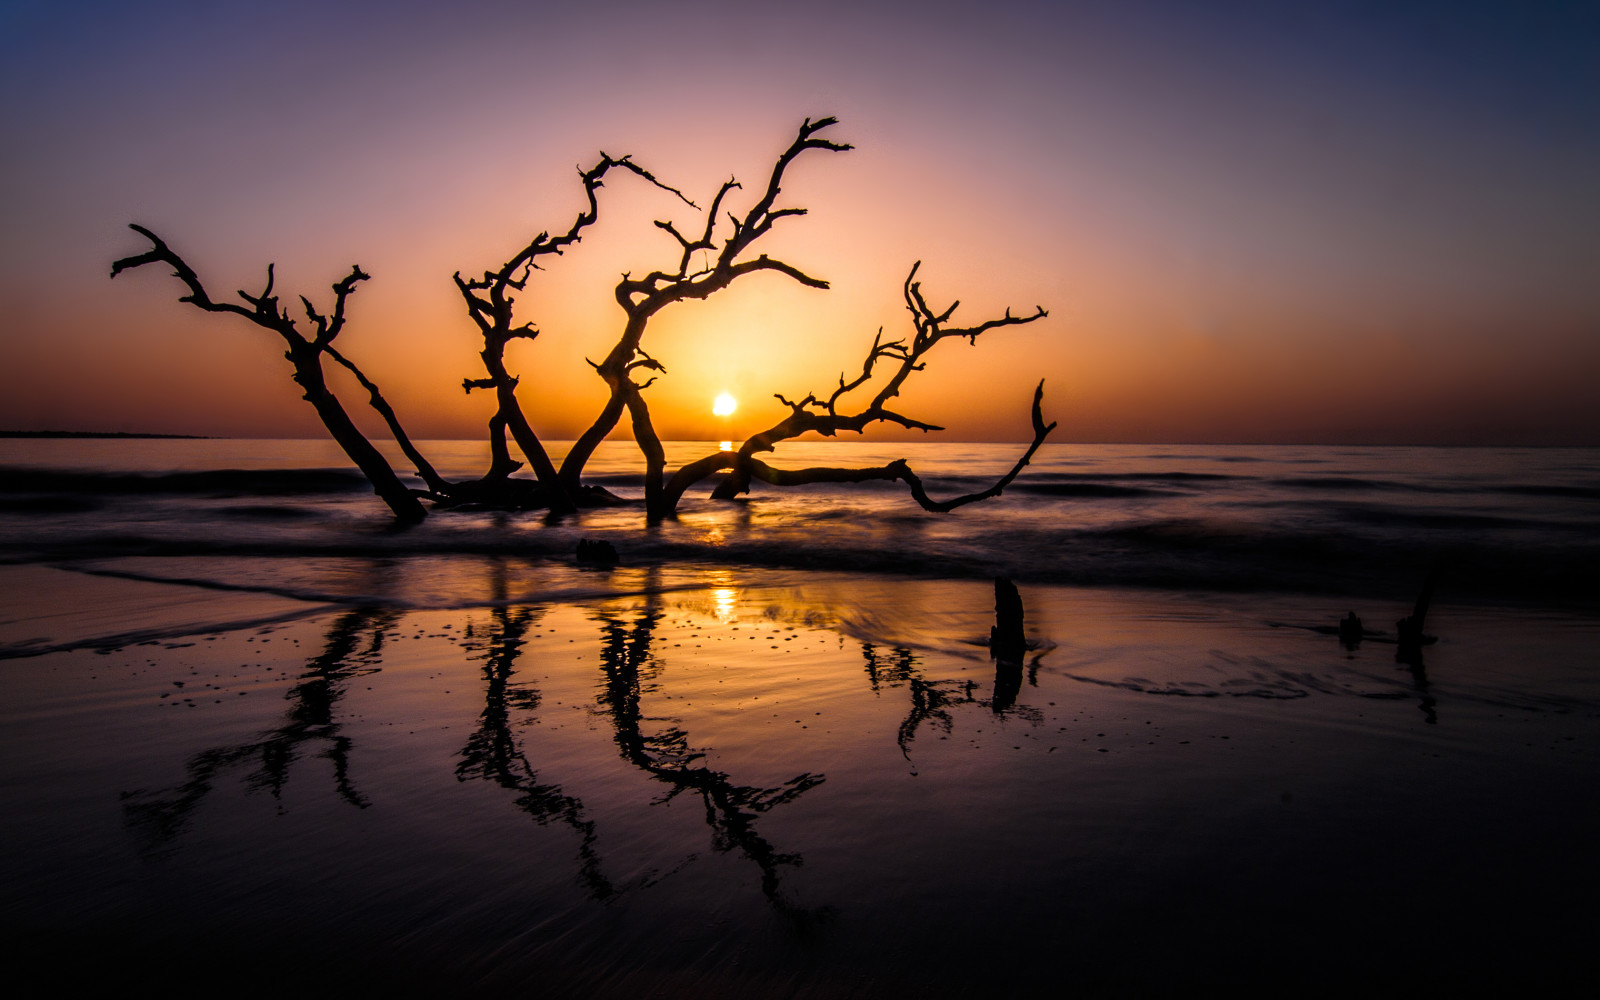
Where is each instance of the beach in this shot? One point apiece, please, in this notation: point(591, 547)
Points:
point(298, 753)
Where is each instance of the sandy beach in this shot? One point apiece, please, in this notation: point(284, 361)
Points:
point(726, 781)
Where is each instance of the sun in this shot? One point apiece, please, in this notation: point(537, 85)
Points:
point(723, 405)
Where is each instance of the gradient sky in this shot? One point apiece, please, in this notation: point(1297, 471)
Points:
point(1251, 221)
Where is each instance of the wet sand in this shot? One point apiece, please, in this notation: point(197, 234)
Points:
point(703, 781)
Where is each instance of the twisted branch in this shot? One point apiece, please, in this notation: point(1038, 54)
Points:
point(306, 358)
point(900, 470)
point(490, 304)
point(812, 414)
point(642, 298)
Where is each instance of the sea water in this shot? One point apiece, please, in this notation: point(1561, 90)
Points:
point(1499, 524)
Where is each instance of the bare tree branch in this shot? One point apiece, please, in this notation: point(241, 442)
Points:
point(490, 304)
point(425, 470)
point(306, 358)
point(896, 470)
point(814, 415)
point(642, 298)
point(1041, 430)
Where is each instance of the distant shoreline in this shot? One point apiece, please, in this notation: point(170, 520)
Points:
point(98, 434)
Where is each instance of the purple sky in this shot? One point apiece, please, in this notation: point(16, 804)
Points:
point(1363, 222)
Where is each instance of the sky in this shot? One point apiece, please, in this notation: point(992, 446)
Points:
point(1251, 222)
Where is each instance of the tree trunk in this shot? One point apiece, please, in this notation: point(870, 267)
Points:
point(501, 464)
point(583, 448)
point(424, 468)
point(655, 456)
point(614, 370)
point(509, 416)
point(736, 482)
point(528, 444)
point(308, 372)
point(1006, 638)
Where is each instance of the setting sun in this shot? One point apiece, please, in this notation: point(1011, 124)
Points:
point(724, 404)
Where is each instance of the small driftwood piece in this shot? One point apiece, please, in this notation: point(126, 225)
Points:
point(1006, 641)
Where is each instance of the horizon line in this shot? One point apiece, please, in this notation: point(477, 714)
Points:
point(141, 435)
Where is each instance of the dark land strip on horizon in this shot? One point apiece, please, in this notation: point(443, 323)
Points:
point(100, 434)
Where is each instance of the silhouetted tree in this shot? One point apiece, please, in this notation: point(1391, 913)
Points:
point(490, 304)
point(707, 263)
point(305, 354)
point(642, 298)
point(813, 414)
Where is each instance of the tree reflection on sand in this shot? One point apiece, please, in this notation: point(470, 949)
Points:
point(932, 700)
point(493, 753)
point(354, 642)
point(1410, 657)
point(731, 810)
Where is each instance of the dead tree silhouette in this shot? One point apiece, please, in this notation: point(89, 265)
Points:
point(490, 304)
point(712, 260)
point(822, 416)
point(305, 354)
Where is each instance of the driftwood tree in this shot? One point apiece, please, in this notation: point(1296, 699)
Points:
point(822, 416)
point(642, 298)
point(305, 355)
point(718, 254)
point(491, 305)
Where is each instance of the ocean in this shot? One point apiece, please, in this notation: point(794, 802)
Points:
point(256, 739)
point(1507, 525)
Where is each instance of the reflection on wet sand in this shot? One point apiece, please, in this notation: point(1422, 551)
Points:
point(630, 669)
point(309, 723)
point(1041, 792)
point(493, 753)
point(932, 700)
point(1410, 655)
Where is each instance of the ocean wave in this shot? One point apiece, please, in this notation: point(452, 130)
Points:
point(1193, 555)
point(1086, 490)
point(1356, 484)
point(222, 482)
point(1537, 490)
point(1400, 518)
point(48, 504)
point(1136, 477)
point(1374, 529)
point(268, 512)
